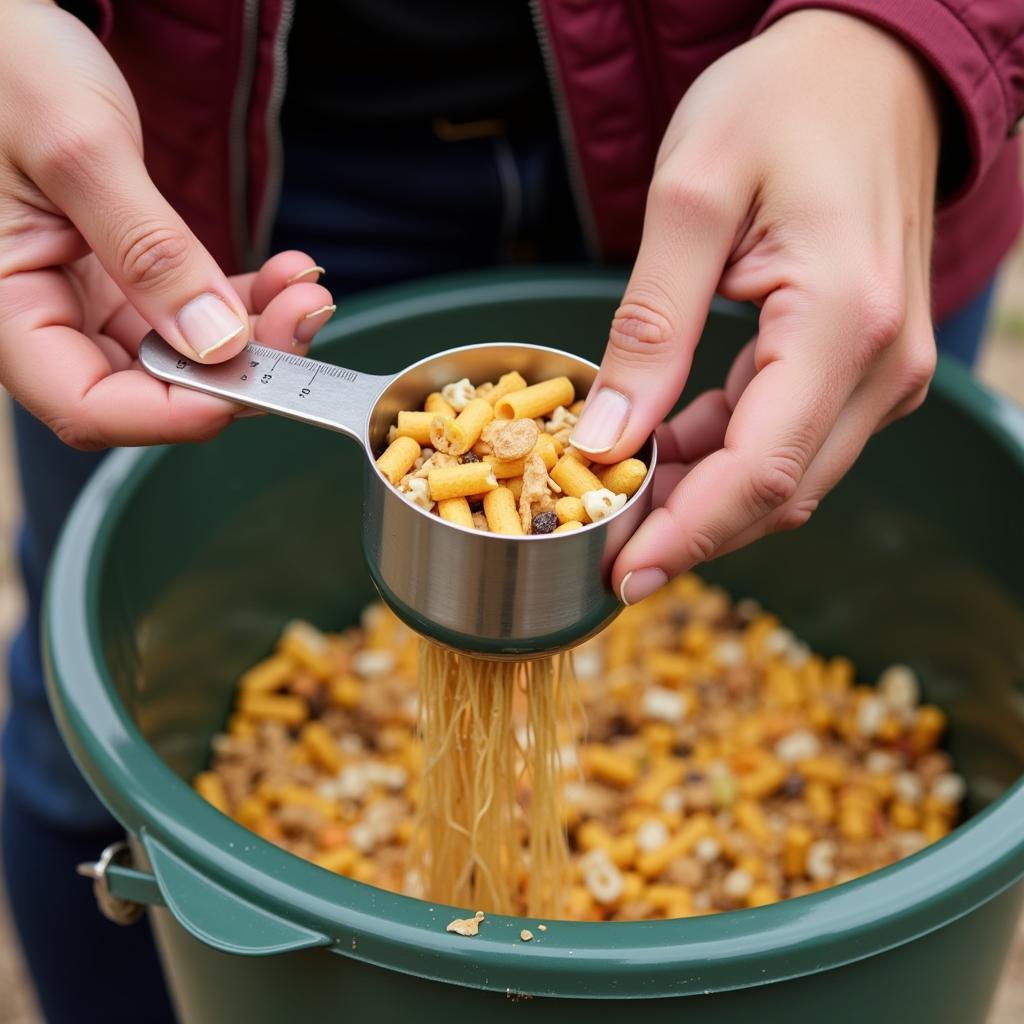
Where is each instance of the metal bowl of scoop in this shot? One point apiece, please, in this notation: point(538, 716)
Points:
point(487, 594)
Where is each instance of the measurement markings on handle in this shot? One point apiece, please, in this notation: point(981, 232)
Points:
point(266, 378)
point(305, 390)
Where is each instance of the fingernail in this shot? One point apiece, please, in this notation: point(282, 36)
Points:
point(602, 422)
point(641, 583)
point(303, 274)
point(312, 322)
point(207, 323)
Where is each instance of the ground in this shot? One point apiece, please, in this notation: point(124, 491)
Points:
point(1002, 367)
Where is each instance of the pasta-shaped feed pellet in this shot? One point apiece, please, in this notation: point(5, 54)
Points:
point(267, 675)
point(624, 477)
point(545, 448)
point(461, 481)
point(285, 707)
point(456, 510)
point(456, 437)
point(536, 400)
point(548, 449)
point(398, 458)
point(573, 477)
point(568, 527)
point(210, 787)
point(570, 509)
point(507, 383)
point(415, 425)
point(444, 434)
point(502, 514)
point(436, 404)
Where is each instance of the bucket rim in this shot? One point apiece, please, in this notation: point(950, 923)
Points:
point(720, 952)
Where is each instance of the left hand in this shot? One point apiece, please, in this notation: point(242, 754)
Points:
point(797, 173)
point(76, 367)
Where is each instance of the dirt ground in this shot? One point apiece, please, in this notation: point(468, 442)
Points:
point(1002, 367)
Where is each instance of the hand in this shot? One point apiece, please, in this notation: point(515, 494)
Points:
point(92, 256)
point(797, 173)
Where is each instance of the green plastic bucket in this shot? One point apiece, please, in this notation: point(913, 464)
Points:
point(179, 565)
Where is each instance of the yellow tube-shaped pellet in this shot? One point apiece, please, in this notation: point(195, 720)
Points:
point(306, 645)
point(545, 448)
point(436, 404)
point(679, 845)
point(574, 478)
point(477, 414)
point(415, 425)
point(251, 811)
point(568, 527)
point(461, 481)
point(268, 675)
point(285, 708)
point(507, 383)
point(321, 746)
point(570, 509)
point(456, 437)
point(340, 859)
point(751, 818)
point(456, 510)
point(502, 514)
point(515, 485)
point(575, 453)
point(241, 726)
point(624, 477)
point(398, 458)
point(443, 435)
point(652, 787)
point(210, 787)
point(662, 897)
point(536, 400)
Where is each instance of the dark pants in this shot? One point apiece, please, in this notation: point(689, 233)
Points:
point(371, 214)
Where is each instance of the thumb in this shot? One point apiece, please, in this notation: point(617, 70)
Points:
point(686, 240)
point(101, 184)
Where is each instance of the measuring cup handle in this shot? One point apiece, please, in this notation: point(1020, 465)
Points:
point(301, 388)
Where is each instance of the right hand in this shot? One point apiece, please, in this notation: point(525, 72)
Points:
point(92, 256)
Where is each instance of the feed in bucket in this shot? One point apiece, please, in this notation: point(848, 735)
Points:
point(718, 764)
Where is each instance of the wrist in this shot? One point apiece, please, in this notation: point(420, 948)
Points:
point(880, 62)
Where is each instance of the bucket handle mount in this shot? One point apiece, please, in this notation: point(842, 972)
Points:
point(206, 910)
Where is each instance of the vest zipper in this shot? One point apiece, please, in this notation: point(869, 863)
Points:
point(238, 149)
point(275, 162)
point(577, 185)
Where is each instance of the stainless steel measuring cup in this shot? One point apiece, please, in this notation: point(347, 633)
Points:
point(487, 594)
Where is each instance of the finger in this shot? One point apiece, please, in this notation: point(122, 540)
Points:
point(97, 177)
point(780, 422)
point(280, 271)
point(667, 478)
point(696, 431)
point(256, 290)
point(895, 388)
point(688, 230)
point(292, 317)
point(843, 447)
point(741, 373)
